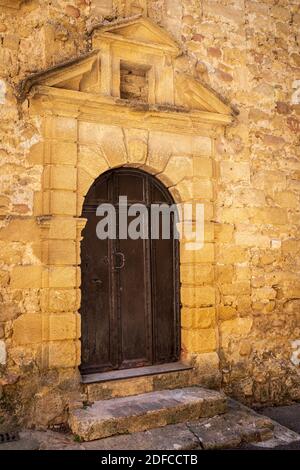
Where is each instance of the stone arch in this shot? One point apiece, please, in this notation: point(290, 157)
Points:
point(114, 147)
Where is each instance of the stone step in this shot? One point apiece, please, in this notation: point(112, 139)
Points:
point(126, 387)
point(147, 411)
point(239, 427)
point(227, 431)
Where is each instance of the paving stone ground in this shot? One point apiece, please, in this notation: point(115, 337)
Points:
point(239, 428)
point(288, 416)
point(288, 423)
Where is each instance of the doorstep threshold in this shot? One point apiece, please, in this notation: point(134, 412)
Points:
point(132, 373)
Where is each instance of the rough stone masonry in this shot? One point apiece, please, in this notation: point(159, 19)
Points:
point(242, 327)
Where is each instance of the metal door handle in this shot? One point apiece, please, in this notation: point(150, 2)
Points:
point(122, 256)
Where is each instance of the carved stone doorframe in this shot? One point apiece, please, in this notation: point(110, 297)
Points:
point(87, 129)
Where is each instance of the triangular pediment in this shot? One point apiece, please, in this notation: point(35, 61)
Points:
point(138, 30)
point(192, 94)
point(79, 74)
point(128, 76)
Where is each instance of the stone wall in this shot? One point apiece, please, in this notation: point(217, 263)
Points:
point(248, 51)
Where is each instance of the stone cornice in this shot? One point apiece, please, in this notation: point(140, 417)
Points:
point(103, 109)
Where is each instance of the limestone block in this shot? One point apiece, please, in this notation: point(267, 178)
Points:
point(62, 326)
point(176, 170)
point(110, 140)
point(186, 256)
point(203, 167)
point(187, 274)
point(235, 56)
point(62, 228)
point(4, 278)
point(225, 13)
point(84, 181)
point(208, 211)
point(224, 232)
point(25, 230)
point(250, 197)
point(236, 288)
point(62, 252)
point(207, 363)
point(243, 273)
point(283, 14)
point(199, 341)
point(27, 329)
point(204, 274)
point(26, 277)
point(61, 177)
point(49, 406)
point(156, 163)
point(291, 247)
point(91, 161)
point(200, 296)
point(38, 200)
point(4, 205)
point(201, 146)
point(291, 291)
point(188, 296)
point(269, 181)
point(205, 254)
point(36, 154)
point(244, 304)
point(270, 215)
point(199, 318)
point(250, 237)
point(163, 145)
point(63, 202)
point(264, 294)
point(183, 191)
point(61, 277)
point(61, 300)
point(64, 128)
point(202, 188)
point(224, 273)
point(226, 312)
point(11, 253)
point(209, 232)
point(287, 199)
point(235, 171)
point(231, 254)
point(196, 274)
point(102, 7)
point(232, 215)
point(205, 295)
point(63, 153)
point(62, 354)
point(235, 328)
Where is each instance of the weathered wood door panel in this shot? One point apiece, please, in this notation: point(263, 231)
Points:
point(130, 288)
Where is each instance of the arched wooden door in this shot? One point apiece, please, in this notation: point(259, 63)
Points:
point(130, 288)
